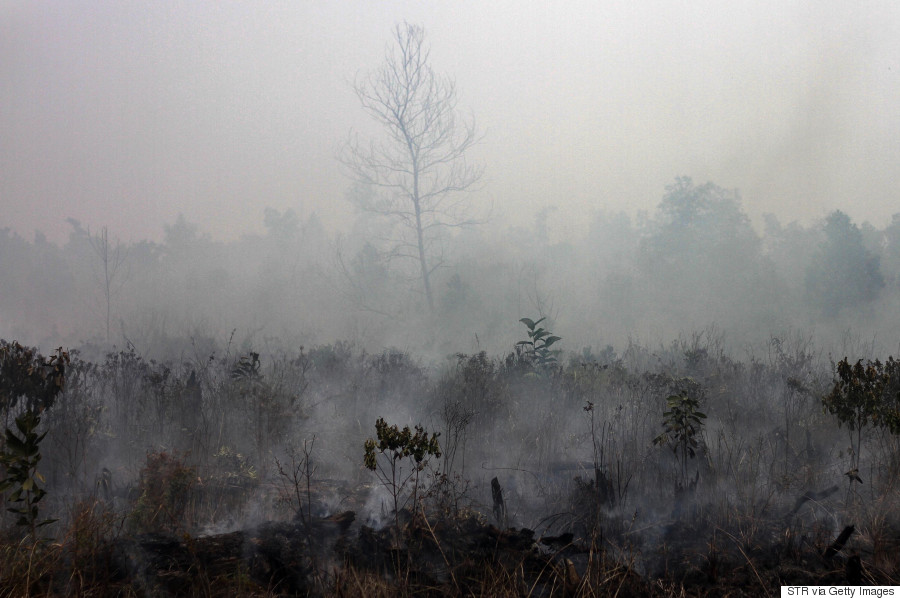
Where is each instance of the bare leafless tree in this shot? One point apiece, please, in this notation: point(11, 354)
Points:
point(416, 176)
point(112, 256)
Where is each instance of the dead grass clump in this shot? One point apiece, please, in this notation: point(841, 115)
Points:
point(27, 566)
point(164, 494)
point(89, 559)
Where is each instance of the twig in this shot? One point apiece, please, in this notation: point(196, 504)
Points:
point(755, 572)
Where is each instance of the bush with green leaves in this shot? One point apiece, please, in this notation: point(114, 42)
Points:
point(30, 383)
point(28, 379)
point(682, 426)
point(396, 446)
point(537, 347)
point(863, 395)
point(20, 457)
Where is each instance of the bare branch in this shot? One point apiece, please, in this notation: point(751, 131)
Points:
point(422, 161)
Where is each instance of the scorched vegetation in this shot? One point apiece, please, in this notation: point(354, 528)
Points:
point(242, 472)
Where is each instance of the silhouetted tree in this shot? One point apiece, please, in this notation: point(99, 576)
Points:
point(842, 273)
point(411, 176)
point(281, 226)
point(695, 220)
point(790, 247)
point(890, 262)
point(700, 254)
point(183, 238)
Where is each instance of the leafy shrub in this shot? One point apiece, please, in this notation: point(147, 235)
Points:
point(864, 394)
point(26, 374)
point(537, 347)
point(394, 445)
point(27, 377)
point(20, 457)
point(682, 425)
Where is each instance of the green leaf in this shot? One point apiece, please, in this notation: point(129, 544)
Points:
point(22, 424)
point(14, 445)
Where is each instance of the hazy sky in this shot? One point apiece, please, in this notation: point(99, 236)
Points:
point(127, 113)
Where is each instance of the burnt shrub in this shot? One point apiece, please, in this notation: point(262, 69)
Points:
point(164, 494)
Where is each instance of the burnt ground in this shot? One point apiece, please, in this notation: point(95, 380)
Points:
point(698, 554)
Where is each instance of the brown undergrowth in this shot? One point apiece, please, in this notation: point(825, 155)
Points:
point(700, 554)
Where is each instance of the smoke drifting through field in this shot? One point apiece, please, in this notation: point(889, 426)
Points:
point(206, 360)
point(694, 263)
point(214, 367)
point(193, 427)
point(212, 425)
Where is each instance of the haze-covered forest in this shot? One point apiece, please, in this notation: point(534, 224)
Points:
point(436, 401)
point(697, 262)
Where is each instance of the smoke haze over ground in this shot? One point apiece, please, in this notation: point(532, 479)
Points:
point(126, 115)
point(696, 203)
point(204, 139)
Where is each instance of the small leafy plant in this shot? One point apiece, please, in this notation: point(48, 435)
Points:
point(27, 379)
point(682, 425)
point(537, 347)
point(864, 394)
point(396, 446)
point(28, 376)
point(20, 457)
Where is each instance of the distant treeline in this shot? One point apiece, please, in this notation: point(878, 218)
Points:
point(695, 261)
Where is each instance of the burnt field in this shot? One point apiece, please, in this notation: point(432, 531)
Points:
point(264, 273)
point(330, 470)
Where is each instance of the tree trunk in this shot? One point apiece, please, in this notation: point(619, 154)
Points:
point(420, 239)
point(426, 282)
